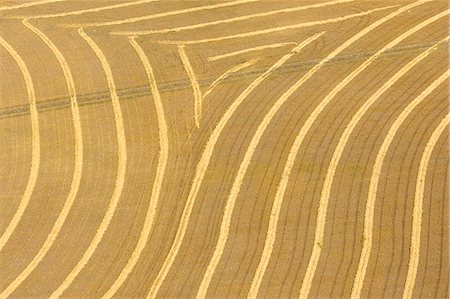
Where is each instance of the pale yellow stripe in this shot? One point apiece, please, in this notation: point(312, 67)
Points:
point(276, 208)
point(162, 14)
point(414, 253)
point(159, 177)
point(323, 203)
point(29, 4)
point(200, 173)
point(326, 191)
point(83, 11)
point(195, 86)
point(374, 180)
point(236, 187)
point(274, 29)
point(231, 54)
point(121, 169)
point(35, 144)
point(77, 171)
point(228, 73)
point(231, 20)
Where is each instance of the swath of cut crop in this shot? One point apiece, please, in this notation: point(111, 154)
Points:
point(121, 169)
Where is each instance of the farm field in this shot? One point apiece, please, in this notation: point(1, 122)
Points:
point(224, 149)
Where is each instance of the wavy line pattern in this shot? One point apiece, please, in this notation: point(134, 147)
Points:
point(121, 169)
point(215, 217)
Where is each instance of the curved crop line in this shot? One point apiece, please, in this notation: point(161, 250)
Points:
point(236, 187)
point(83, 11)
point(35, 144)
point(201, 170)
point(29, 4)
point(418, 208)
point(374, 180)
point(270, 239)
point(271, 46)
point(231, 20)
point(159, 177)
point(121, 169)
point(356, 118)
point(274, 29)
point(162, 14)
point(77, 171)
point(225, 75)
point(323, 202)
point(342, 143)
point(195, 86)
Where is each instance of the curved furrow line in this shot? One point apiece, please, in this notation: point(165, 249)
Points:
point(323, 203)
point(77, 171)
point(356, 187)
point(121, 169)
point(274, 29)
point(409, 94)
point(271, 234)
point(159, 177)
point(83, 11)
point(232, 70)
point(162, 14)
point(231, 200)
point(439, 151)
point(374, 180)
point(29, 4)
point(400, 210)
point(201, 170)
point(35, 144)
point(231, 54)
point(230, 20)
point(345, 137)
point(195, 86)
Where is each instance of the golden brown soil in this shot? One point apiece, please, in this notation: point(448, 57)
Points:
point(226, 148)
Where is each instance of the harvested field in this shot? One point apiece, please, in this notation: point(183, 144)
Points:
point(224, 149)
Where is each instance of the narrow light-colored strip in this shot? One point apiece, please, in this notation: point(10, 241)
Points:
point(323, 202)
point(343, 141)
point(276, 208)
point(83, 11)
point(121, 169)
point(225, 75)
point(414, 253)
point(231, 54)
point(236, 187)
point(35, 144)
point(200, 173)
point(195, 86)
point(274, 29)
point(231, 20)
point(162, 14)
point(374, 180)
point(77, 171)
point(29, 4)
point(159, 177)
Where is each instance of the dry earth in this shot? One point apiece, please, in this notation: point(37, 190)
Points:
point(224, 149)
